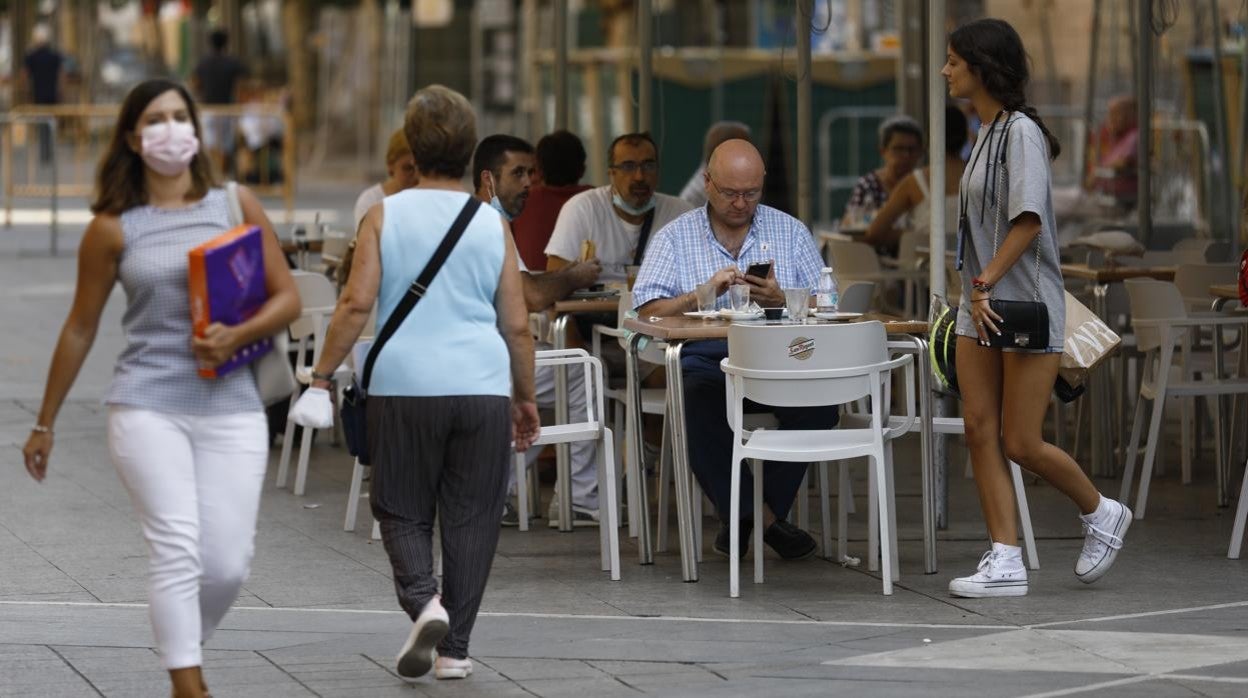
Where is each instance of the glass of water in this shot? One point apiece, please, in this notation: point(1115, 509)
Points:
point(797, 300)
point(706, 297)
point(739, 297)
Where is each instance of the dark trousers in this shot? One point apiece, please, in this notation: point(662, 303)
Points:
point(443, 457)
point(710, 437)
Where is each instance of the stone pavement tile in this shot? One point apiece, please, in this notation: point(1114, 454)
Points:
point(629, 669)
point(471, 687)
point(696, 681)
point(81, 689)
point(857, 681)
point(75, 625)
point(1230, 621)
point(576, 687)
point(1237, 670)
point(28, 669)
point(531, 668)
point(1167, 688)
point(99, 662)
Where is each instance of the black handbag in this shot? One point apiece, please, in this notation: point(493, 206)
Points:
point(354, 410)
point(1023, 324)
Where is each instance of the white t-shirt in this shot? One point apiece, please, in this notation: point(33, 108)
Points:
point(368, 197)
point(590, 215)
point(695, 189)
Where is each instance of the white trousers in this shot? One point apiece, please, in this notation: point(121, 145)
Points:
point(195, 483)
point(584, 468)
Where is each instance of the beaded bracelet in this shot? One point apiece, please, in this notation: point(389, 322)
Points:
point(980, 285)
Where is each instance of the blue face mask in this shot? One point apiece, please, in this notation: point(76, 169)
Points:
point(628, 208)
point(498, 205)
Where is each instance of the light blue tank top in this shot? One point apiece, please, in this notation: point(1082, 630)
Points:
point(157, 370)
point(449, 344)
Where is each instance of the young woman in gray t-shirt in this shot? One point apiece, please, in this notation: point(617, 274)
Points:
point(1010, 252)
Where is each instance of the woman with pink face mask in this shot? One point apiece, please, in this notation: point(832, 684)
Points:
point(191, 451)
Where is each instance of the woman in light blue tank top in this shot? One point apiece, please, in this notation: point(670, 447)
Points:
point(191, 451)
point(450, 390)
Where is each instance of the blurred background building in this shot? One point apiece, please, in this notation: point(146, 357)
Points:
point(343, 70)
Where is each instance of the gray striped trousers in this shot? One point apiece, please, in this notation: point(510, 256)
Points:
point(444, 457)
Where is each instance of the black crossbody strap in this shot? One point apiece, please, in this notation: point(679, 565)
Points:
point(420, 286)
point(643, 237)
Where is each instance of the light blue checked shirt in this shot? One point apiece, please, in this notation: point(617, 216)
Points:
point(685, 253)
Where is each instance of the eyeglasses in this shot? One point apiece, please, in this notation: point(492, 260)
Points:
point(749, 196)
point(629, 167)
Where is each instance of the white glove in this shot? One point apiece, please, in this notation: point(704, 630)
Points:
point(313, 409)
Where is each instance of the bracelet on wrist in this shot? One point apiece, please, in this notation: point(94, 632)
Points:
point(328, 377)
point(41, 429)
point(980, 285)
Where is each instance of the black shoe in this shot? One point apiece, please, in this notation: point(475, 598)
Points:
point(789, 541)
point(721, 538)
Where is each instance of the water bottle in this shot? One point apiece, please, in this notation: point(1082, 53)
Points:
point(826, 298)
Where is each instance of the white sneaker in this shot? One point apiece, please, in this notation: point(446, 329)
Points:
point(1001, 573)
point(419, 652)
point(1103, 531)
point(448, 668)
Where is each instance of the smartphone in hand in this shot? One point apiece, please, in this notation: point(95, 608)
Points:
point(759, 270)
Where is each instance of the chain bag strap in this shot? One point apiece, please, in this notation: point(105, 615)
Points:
point(1023, 324)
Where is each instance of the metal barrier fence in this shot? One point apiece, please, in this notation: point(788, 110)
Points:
point(857, 121)
point(253, 144)
point(47, 127)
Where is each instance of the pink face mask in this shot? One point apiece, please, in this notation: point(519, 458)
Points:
point(169, 147)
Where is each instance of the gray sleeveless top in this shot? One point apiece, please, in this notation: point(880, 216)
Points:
point(157, 370)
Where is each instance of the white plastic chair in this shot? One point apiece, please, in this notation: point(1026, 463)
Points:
point(809, 366)
point(318, 297)
point(592, 429)
point(653, 401)
point(354, 493)
point(334, 247)
point(1241, 516)
point(857, 261)
point(1194, 280)
point(856, 297)
point(1161, 320)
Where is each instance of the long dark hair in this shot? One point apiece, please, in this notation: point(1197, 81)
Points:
point(994, 52)
point(119, 178)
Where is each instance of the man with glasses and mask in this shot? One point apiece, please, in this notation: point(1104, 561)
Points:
point(620, 217)
point(717, 244)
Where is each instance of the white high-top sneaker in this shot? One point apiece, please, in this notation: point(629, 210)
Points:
point(1103, 531)
point(1001, 573)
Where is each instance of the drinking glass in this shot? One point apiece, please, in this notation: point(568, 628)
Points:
point(630, 274)
point(797, 300)
point(739, 297)
point(706, 297)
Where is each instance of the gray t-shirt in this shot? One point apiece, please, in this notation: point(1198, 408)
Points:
point(1026, 185)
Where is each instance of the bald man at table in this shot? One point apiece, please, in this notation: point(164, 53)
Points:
point(713, 244)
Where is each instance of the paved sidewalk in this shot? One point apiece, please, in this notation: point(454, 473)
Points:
point(318, 616)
